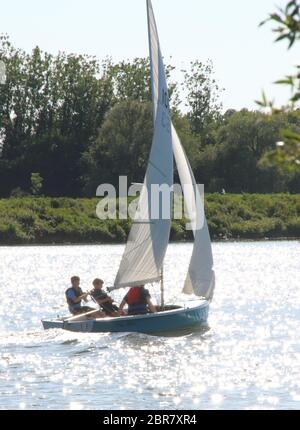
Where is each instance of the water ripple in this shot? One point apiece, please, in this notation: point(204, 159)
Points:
point(248, 357)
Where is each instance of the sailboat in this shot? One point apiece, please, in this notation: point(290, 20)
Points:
point(143, 258)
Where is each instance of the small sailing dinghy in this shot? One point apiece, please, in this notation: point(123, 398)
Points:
point(143, 258)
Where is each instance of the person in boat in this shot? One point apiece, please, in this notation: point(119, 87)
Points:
point(103, 299)
point(138, 300)
point(75, 295)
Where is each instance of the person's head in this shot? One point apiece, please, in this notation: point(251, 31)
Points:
point(98, 283)
point(75, 281)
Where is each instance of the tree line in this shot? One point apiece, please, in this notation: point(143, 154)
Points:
point(70, 122)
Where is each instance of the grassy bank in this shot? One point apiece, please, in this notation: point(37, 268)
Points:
point(63, 220)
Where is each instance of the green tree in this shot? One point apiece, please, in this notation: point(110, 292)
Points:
point(36, 183)
point(286, 154)
point(242, 140)
point(202, 99)
point(50, 109)
point(131, 80)
point(122, 147)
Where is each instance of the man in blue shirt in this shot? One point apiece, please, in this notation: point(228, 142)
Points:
point(75, 295)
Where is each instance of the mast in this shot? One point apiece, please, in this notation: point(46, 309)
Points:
point(162, 289)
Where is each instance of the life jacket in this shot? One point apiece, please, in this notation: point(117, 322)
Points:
point(134, 296)
point(70, 302)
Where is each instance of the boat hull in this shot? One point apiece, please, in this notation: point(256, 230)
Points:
point(185, 318)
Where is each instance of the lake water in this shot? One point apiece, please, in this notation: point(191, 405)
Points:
point(248, 359)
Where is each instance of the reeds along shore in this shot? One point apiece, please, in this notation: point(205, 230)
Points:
point(46, 220)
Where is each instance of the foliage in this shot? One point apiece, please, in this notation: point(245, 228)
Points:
point(50, 107)
point(243, 139)
point(36, 183)
point(122, 146)
point(64, 220)
point(80, 122)
point(203, 97)
point(286, 155)
point(131, 81)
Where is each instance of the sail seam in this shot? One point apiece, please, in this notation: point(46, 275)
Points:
point(158, 169)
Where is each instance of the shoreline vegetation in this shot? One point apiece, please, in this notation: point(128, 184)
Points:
point(70, 122)
point(61, 220)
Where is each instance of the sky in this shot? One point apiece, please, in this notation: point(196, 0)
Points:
point(246, 60)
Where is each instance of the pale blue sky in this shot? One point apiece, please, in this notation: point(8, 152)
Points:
point(244, 56)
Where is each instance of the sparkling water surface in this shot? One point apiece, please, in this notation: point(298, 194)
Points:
point(248, 359)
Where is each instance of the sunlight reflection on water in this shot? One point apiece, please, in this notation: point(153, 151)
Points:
point(250, 357)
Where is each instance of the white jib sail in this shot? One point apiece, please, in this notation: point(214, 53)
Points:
point(149, 236)
point(200, 279)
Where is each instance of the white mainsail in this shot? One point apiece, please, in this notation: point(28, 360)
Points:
point(148, 239)
point(200, 279)
point(158, 78)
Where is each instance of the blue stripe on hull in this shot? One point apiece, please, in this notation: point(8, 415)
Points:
point(168, 321)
